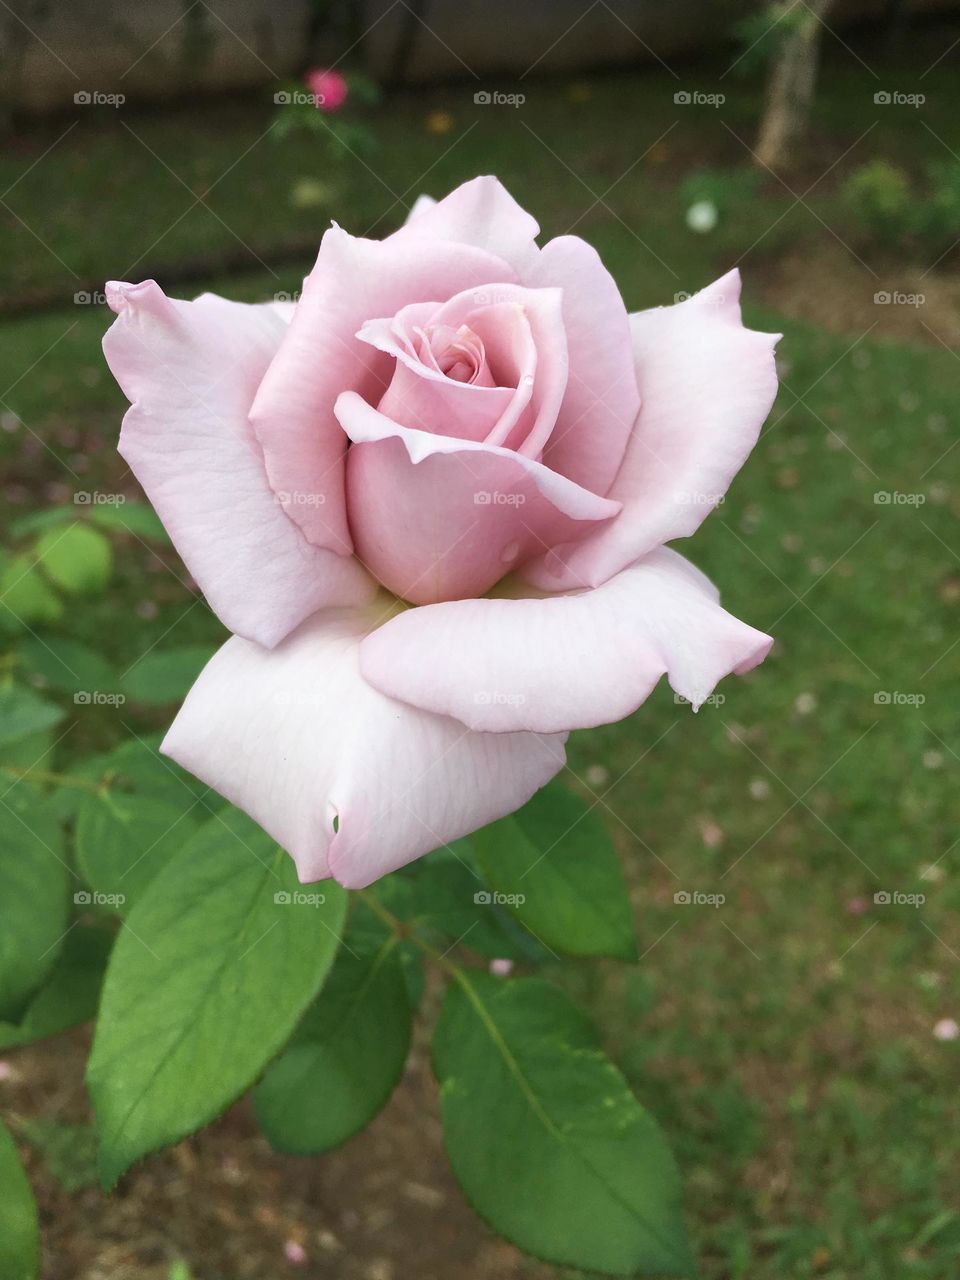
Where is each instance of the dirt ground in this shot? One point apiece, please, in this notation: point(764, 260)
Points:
point(826, 287)
point(383, 1207)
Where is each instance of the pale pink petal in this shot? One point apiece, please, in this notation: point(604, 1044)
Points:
point(420, 205)
point(438, 518)
point(706, 386)
point(443, 406)
point(320, 356)
point(570, 661)
point(481, 213)
point(422, 397)
point(351, 783)
point(601, 401)
point(510, 320)
point(191, 370)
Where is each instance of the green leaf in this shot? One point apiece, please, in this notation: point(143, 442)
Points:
point(218, 961)
point(25, 597)
point(137, 765)
point(450, 902)
point(33, 898)
point(545, 1137)
point(345, 1059)
point(38, 521)
point(162, 677)
point(129, 517)
point(71, 992)
point(66, 665)
point(19, 1227)
point(23, 713)
point(123, 840)
point(558, 872)
point(79, 559)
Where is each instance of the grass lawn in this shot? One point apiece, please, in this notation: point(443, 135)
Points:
point(784, 1037)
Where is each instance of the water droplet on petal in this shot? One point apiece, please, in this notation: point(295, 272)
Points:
point(510, 552)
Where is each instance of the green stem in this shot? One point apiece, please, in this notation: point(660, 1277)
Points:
point(44, 775)
point(403, 931)
point(462, 978)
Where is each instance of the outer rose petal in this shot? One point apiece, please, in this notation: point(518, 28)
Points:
point(706, 386)
point(481, 213)
point(420, 205)
point(601, 402)
point(572, 660)
point(436, 518)
point(191, 370)
point(298, 739)
point(353, 281)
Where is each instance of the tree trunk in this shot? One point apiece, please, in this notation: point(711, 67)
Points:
point(790, 90)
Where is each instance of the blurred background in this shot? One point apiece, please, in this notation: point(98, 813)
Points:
point(799, 1038)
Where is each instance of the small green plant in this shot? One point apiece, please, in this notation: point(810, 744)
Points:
point(938, 214)
point(890, 210)
point(881, 203)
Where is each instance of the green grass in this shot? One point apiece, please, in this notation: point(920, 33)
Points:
point(791, 1047)
point(784, 1040)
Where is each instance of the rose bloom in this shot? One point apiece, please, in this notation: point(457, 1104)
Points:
point(330, 88)
point(430, 500)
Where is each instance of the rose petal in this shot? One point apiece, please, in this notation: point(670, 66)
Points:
point(481, 213)
point(570, 660)
point(601, 402)
point(426, 403)
point(300, 741)
point(422, 397)
point(438, 518)
point(420, 205)
point(502, 318)
point(191, 370)
point(320, 356)
point(706, 386)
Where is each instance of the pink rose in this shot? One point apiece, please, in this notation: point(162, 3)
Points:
point(477, 425)
point(330, 88)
